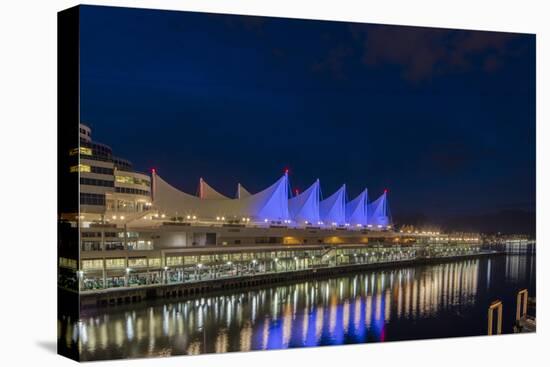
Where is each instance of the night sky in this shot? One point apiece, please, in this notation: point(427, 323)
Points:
point(445, 119)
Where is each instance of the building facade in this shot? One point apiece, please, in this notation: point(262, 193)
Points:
point(137, 230)
point(108, 184)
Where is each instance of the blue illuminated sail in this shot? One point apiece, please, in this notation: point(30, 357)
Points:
point(332, 209)
point(378, 212)
point(271, 203)
point(356, 210)
point(305, 206)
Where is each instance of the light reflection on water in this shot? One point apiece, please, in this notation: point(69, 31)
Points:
point(419, 302)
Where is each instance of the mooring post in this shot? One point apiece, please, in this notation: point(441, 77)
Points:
point(498, 306)
point(521, 306)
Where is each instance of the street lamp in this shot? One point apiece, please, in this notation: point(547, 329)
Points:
point(80, 276)
point(199, 266)
point(127, 276)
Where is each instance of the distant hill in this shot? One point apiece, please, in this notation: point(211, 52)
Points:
point(504, 221)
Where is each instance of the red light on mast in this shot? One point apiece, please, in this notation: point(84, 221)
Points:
point(286, 171)
point(297, 191)
point(153, 171)
point(386, 191)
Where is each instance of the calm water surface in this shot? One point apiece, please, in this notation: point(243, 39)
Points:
point(435, 301)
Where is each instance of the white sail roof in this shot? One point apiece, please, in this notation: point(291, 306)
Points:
point(242, 192)
point(271, 203)
point(207, 192)
point(305, 206)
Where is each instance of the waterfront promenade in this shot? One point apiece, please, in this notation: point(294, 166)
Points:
point(212, 282)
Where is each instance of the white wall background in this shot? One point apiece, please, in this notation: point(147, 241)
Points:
point(28, 183)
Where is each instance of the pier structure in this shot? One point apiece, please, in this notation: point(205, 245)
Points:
point(137, 230)
point(170, 253)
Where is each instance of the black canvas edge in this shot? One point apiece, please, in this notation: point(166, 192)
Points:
point(68, 98)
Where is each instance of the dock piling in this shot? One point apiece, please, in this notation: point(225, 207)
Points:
point(498, 306)
point(521, 304)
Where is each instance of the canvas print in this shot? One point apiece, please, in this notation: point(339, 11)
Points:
point(233, 183)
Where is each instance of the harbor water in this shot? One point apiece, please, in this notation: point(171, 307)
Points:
point(417, 302)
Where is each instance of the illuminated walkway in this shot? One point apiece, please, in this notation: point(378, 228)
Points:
point(91, 282)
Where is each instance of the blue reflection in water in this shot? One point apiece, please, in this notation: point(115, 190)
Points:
point(312, 338)
point(275, 335)
point(410, 303)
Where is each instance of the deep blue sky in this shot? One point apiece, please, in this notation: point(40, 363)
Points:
point(443, 118)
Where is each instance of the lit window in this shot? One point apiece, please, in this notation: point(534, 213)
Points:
point(124, 179)
point(154, 263)
point(67, 263)
point(134, 263)
point(174, 260)
point(92, 264)
point(115, 263)
point(132, 180)
point(81, 150)
point(191, 259)
point(81, 168)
